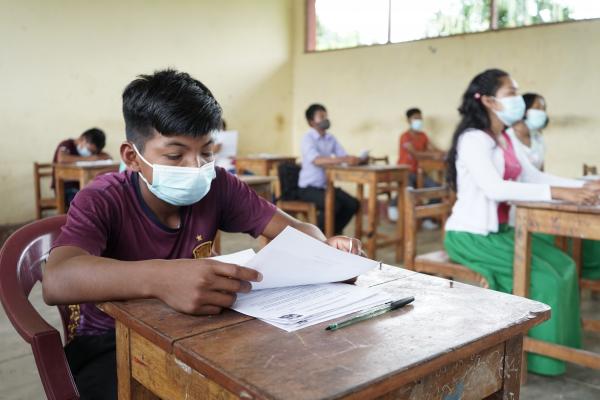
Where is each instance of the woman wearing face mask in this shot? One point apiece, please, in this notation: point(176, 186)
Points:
point(526, 133)
point(487, 170)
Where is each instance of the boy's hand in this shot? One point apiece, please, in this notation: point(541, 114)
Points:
point(345, 243)
point(203, 286)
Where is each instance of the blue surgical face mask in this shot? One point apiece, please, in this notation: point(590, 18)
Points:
point(416, 124)
point(536, 119)
point(513, 109)
point(179, 186)
point(83, 151)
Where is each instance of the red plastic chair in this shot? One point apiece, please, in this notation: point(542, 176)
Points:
point(21, 261)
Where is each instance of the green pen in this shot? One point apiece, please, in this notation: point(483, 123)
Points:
point(372, 313)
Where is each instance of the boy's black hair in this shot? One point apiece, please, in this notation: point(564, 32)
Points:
point(312, 110)
point(96, 137)
point(412, 111)
point(170, 102)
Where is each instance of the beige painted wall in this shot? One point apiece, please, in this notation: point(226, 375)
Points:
point(367, 90)
point(64, 64)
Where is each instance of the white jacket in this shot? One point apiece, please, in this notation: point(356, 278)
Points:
point(480, 187)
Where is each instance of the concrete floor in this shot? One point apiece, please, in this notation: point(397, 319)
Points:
point(19, 378)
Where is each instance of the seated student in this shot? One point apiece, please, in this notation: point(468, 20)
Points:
point(144, 232)
point(414, 142)
point(320, 148)
point(487, 170)
point(526, 133)
point(87, 147)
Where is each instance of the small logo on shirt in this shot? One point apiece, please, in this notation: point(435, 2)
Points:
point(199, 238)
point(203, 250)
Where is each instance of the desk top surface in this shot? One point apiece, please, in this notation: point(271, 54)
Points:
point(558, 206)
point(447, 322)
point(367, 168)
point(104, 165)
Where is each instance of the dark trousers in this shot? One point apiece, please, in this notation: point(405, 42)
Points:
point(93, 363)
point(345, 206)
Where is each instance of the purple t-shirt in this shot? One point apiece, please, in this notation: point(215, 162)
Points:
point(109, 218)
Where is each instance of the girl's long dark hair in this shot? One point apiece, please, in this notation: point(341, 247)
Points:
point(473, 113)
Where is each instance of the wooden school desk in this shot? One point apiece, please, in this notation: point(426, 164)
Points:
point(84, 174)
point(559, 219)
point(426, 165)
point(454, 341)
point(261, 165)
point(396, 176)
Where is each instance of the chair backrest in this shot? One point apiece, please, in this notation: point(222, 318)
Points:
point(589, 170)
point(414, 210)
point(21, 261)
point(379, 160)
point(41, 171)
point(288, 174)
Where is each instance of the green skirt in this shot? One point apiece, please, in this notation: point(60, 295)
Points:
point(590, 264)
point(553, 282)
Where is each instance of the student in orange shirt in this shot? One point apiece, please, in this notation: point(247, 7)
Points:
point(412, 142)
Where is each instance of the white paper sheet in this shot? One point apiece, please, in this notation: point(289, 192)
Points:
point(294, 258)
point(298, 307)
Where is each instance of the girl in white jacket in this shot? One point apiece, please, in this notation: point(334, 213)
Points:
point(488, 170)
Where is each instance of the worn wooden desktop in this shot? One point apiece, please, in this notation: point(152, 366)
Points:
point(261, 165)
point(561, 219)
point(454, 341)
point(396, 178)
point(83, 174)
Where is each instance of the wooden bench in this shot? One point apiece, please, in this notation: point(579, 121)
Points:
point(436, 262)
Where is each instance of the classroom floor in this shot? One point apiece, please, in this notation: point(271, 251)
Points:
point(19, 379)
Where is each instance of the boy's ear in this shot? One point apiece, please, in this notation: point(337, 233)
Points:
point(129, 156)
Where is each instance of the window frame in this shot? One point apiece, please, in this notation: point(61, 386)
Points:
point(311, 28)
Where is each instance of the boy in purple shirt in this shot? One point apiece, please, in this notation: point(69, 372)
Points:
point(145, 232)
point(321, 148)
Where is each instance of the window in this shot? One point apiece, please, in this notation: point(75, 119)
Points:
point(337, 24)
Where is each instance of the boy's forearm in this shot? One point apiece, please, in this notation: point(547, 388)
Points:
point(86, 278)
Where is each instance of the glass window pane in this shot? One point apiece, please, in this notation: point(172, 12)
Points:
point(513, 13)
point(412, 20)
point(349, 23)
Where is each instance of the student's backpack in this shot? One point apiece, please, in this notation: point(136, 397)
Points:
point(288, 180)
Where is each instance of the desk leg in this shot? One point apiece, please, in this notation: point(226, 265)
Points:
point(329, 208)
point(360, 194)
point(127, 387)
point(522, 265)
point(60, 195)
point(372, 221)
point(400, 222)
point(511, 371)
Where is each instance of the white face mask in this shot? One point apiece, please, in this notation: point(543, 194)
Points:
point(536, 119)
point(416, 124)
point(513, 109)
point(179, 186)
point(83, 151)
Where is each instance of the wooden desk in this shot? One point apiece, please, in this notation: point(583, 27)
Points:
point(559, 219)
point(429, 164)
point(454, 341)
point(261, 165)
point(74, 172)
point(396, 178)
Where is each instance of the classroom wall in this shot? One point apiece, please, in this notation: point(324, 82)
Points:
point(367, 90)
point(64, 64)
